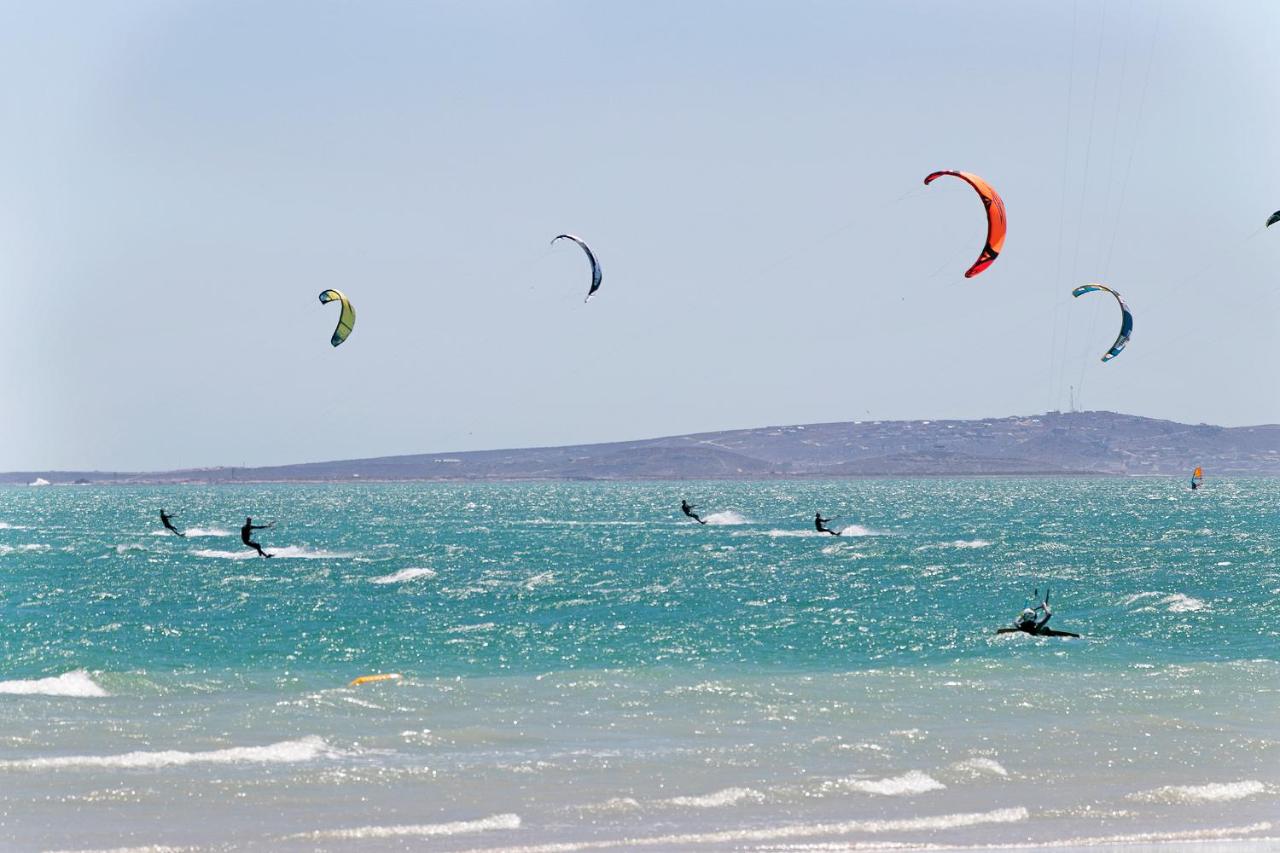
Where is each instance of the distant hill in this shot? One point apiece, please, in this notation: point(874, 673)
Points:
point(1075, 443)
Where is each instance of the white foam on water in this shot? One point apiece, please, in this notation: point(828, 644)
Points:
point(1213, 792)
point(909, 783)
point(613, 804)
point(129, 547)
point(467, 629)
point(718, 799)
point(287, 552)
point(421, 830)
point(285, 752)
point(724, 518)
point(1230, 833)
point(980, 766)
point(774, 833)
point(4, 525)
point(1179, 603)
point(856, 530)
point(539, 579)
point(146, 848)
point(404, 575)
point(1133, 599)
point(20, 549)
point(198, 532)
point(75, 683)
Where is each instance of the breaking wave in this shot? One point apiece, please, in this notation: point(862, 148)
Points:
point(1214, 792)
point(75, 683)
point(285, 752)
point(911, 782)
point(404, 575)
point(420, 830)
point(288, 552)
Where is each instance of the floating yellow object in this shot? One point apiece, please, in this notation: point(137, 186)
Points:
point(365, 679)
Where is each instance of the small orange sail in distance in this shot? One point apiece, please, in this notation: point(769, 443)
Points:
point(1197, 478)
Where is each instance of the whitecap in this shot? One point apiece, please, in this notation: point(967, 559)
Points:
point(198, 532)
point(23, 549)
point(421, 830)
point(911, 782)
point(718, 799)
point(978, 766)
point(404, 575)
point(285, 752)
point(75, 683)
point(288, 552)
point(775, 833)
point(1213, 792)
point(1179, 603)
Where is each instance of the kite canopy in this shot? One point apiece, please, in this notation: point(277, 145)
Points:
point(1273, 218)
point(597, 274)
point(346, 319)
point(996, 224)
point(1126, 318)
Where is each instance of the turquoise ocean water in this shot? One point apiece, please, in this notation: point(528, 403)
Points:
point(583, 668)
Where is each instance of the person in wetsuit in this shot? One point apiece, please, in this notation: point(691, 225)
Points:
point(687, 509)
point(820, 524)
point(1028, 622)
point(245, 531)
point(167, 521)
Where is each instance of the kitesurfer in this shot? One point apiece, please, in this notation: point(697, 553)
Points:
point(1028, 621)
point(1037, 626)
point(167, 521)
point(821, 524)
point(245, 533)
point(687, 509)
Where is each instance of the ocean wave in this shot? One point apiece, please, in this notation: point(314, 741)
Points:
point(288, 552)
point(718, 799)
point(980, 766)
point(75, 683)
point(1213, 792)
point(285, 752)
point(145, 848)
point(4, 525)
point(22, 549)
point(130, 547)
point(777, 833)
point(198, 532)
point(1173, 602)
point(404, 575)
point(421, 830)
point(909, 783)
point(539, 579)
point(1179, 603)
point(960, 544)
point(724, 518)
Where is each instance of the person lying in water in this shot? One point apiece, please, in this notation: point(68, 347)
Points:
point(246, 530)
point(1028, 621)
point(687, 508)
point(1037, 626)
point(821, 523)
point(167, 521)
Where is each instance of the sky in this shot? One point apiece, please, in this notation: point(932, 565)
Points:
point(180, 180)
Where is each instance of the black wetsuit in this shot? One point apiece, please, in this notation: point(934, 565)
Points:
point(244, 536)
point(821, 524)
point(167, 521)
point(687, 509)
point(1034, 626)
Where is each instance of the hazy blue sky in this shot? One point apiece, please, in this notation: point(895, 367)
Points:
point(179, 180)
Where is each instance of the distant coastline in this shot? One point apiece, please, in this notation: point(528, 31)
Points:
point(1085, 444)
